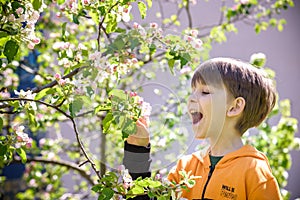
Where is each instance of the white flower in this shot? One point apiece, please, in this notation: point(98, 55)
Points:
point(197, 44)
point(194, 33)
point(153, 25)
point(25, 94)
point(123, 13)
point(95, 55)
point(146, 109)
point(244, 1)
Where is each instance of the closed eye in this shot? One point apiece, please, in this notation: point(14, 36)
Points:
point(205, 92)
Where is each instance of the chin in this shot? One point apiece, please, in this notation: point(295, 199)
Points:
point(199, 136)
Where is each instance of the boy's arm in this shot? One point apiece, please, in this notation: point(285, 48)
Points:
point(137, 160)
point(268, 191)
point(137, 154)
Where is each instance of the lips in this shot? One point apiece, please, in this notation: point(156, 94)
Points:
point(196, 116)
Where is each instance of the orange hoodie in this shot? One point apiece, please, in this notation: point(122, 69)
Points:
point(239, 175)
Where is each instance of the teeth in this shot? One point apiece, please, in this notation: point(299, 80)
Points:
point(193, 111)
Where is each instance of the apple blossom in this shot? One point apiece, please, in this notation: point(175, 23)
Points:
point(57, 76)
point(194, 33)
point(244, 2)
point(25, 94)
point(123, 13)
point(153, 25)
point(136, 25)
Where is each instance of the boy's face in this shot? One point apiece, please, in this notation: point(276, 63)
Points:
point(207, 108)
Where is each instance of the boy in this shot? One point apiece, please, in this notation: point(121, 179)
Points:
point(228, 97)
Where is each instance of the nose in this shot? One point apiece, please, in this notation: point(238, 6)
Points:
point(192, 98)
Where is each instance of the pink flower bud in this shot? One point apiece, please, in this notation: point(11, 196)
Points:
point(36, 40)
point(19, 11)
point(19, 139)
point(57, 76)
point(29, 143)
point(133, 94)
point(30, 45)
point(136, 25)
point(62, 82)
point(194, 33)
point(134, 60)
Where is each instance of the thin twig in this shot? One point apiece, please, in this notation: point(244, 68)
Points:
point(53, 83)
point(93, 165)
point(64, 163)
point(188, 12)
point(100, 25)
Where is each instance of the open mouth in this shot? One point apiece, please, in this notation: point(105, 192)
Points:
point(196, 116)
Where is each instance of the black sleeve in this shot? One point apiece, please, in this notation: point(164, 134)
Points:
point(137, 160)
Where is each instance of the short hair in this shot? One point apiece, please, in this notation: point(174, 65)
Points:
point(241, 79)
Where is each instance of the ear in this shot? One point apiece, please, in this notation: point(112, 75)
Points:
point(237, 107)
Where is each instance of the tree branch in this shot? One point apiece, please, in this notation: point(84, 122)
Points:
point(188, 12)
point(64, 163)
point(74, 127)
point(53, 83)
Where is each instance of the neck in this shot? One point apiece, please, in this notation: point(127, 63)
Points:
point(224, 145)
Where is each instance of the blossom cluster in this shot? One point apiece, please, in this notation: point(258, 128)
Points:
point(61, 81)
point(191, 38)
point(24, 18)
point(22, 139)
point(146, 108)
point(9, 79)
point(26, 95)
point(73, 53)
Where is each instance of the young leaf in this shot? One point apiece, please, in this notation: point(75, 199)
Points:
point(142, 8)
point(22, 154)
point(107, 121)
point(10, 49)
point(3, 149)
point(120, 94)
point(75, 106)
point(37, 4)
point(128, 128)
point(171, 63)
point(43, 93)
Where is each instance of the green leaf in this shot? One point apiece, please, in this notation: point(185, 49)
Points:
point(137, 190)
point(37, 4)
point(134, 42)
point(75, 106)
point(120, 94)
point(97, 188)
point(10, 49)
point(128, 128)
point(111, 23)
point(75, 19)
point(152, 48)
point(3, 149)
point(43, 93)
point(119, 43)
point(109, 118)
point(149, 2)
point(171, 63)
point(3, 34)
point(107, 193)
point(31, 117)
point(184, 59)
point(63, 29)
point(22, 154)
point(142, 8)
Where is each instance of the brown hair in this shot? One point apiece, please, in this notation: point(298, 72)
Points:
point(242, 80)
